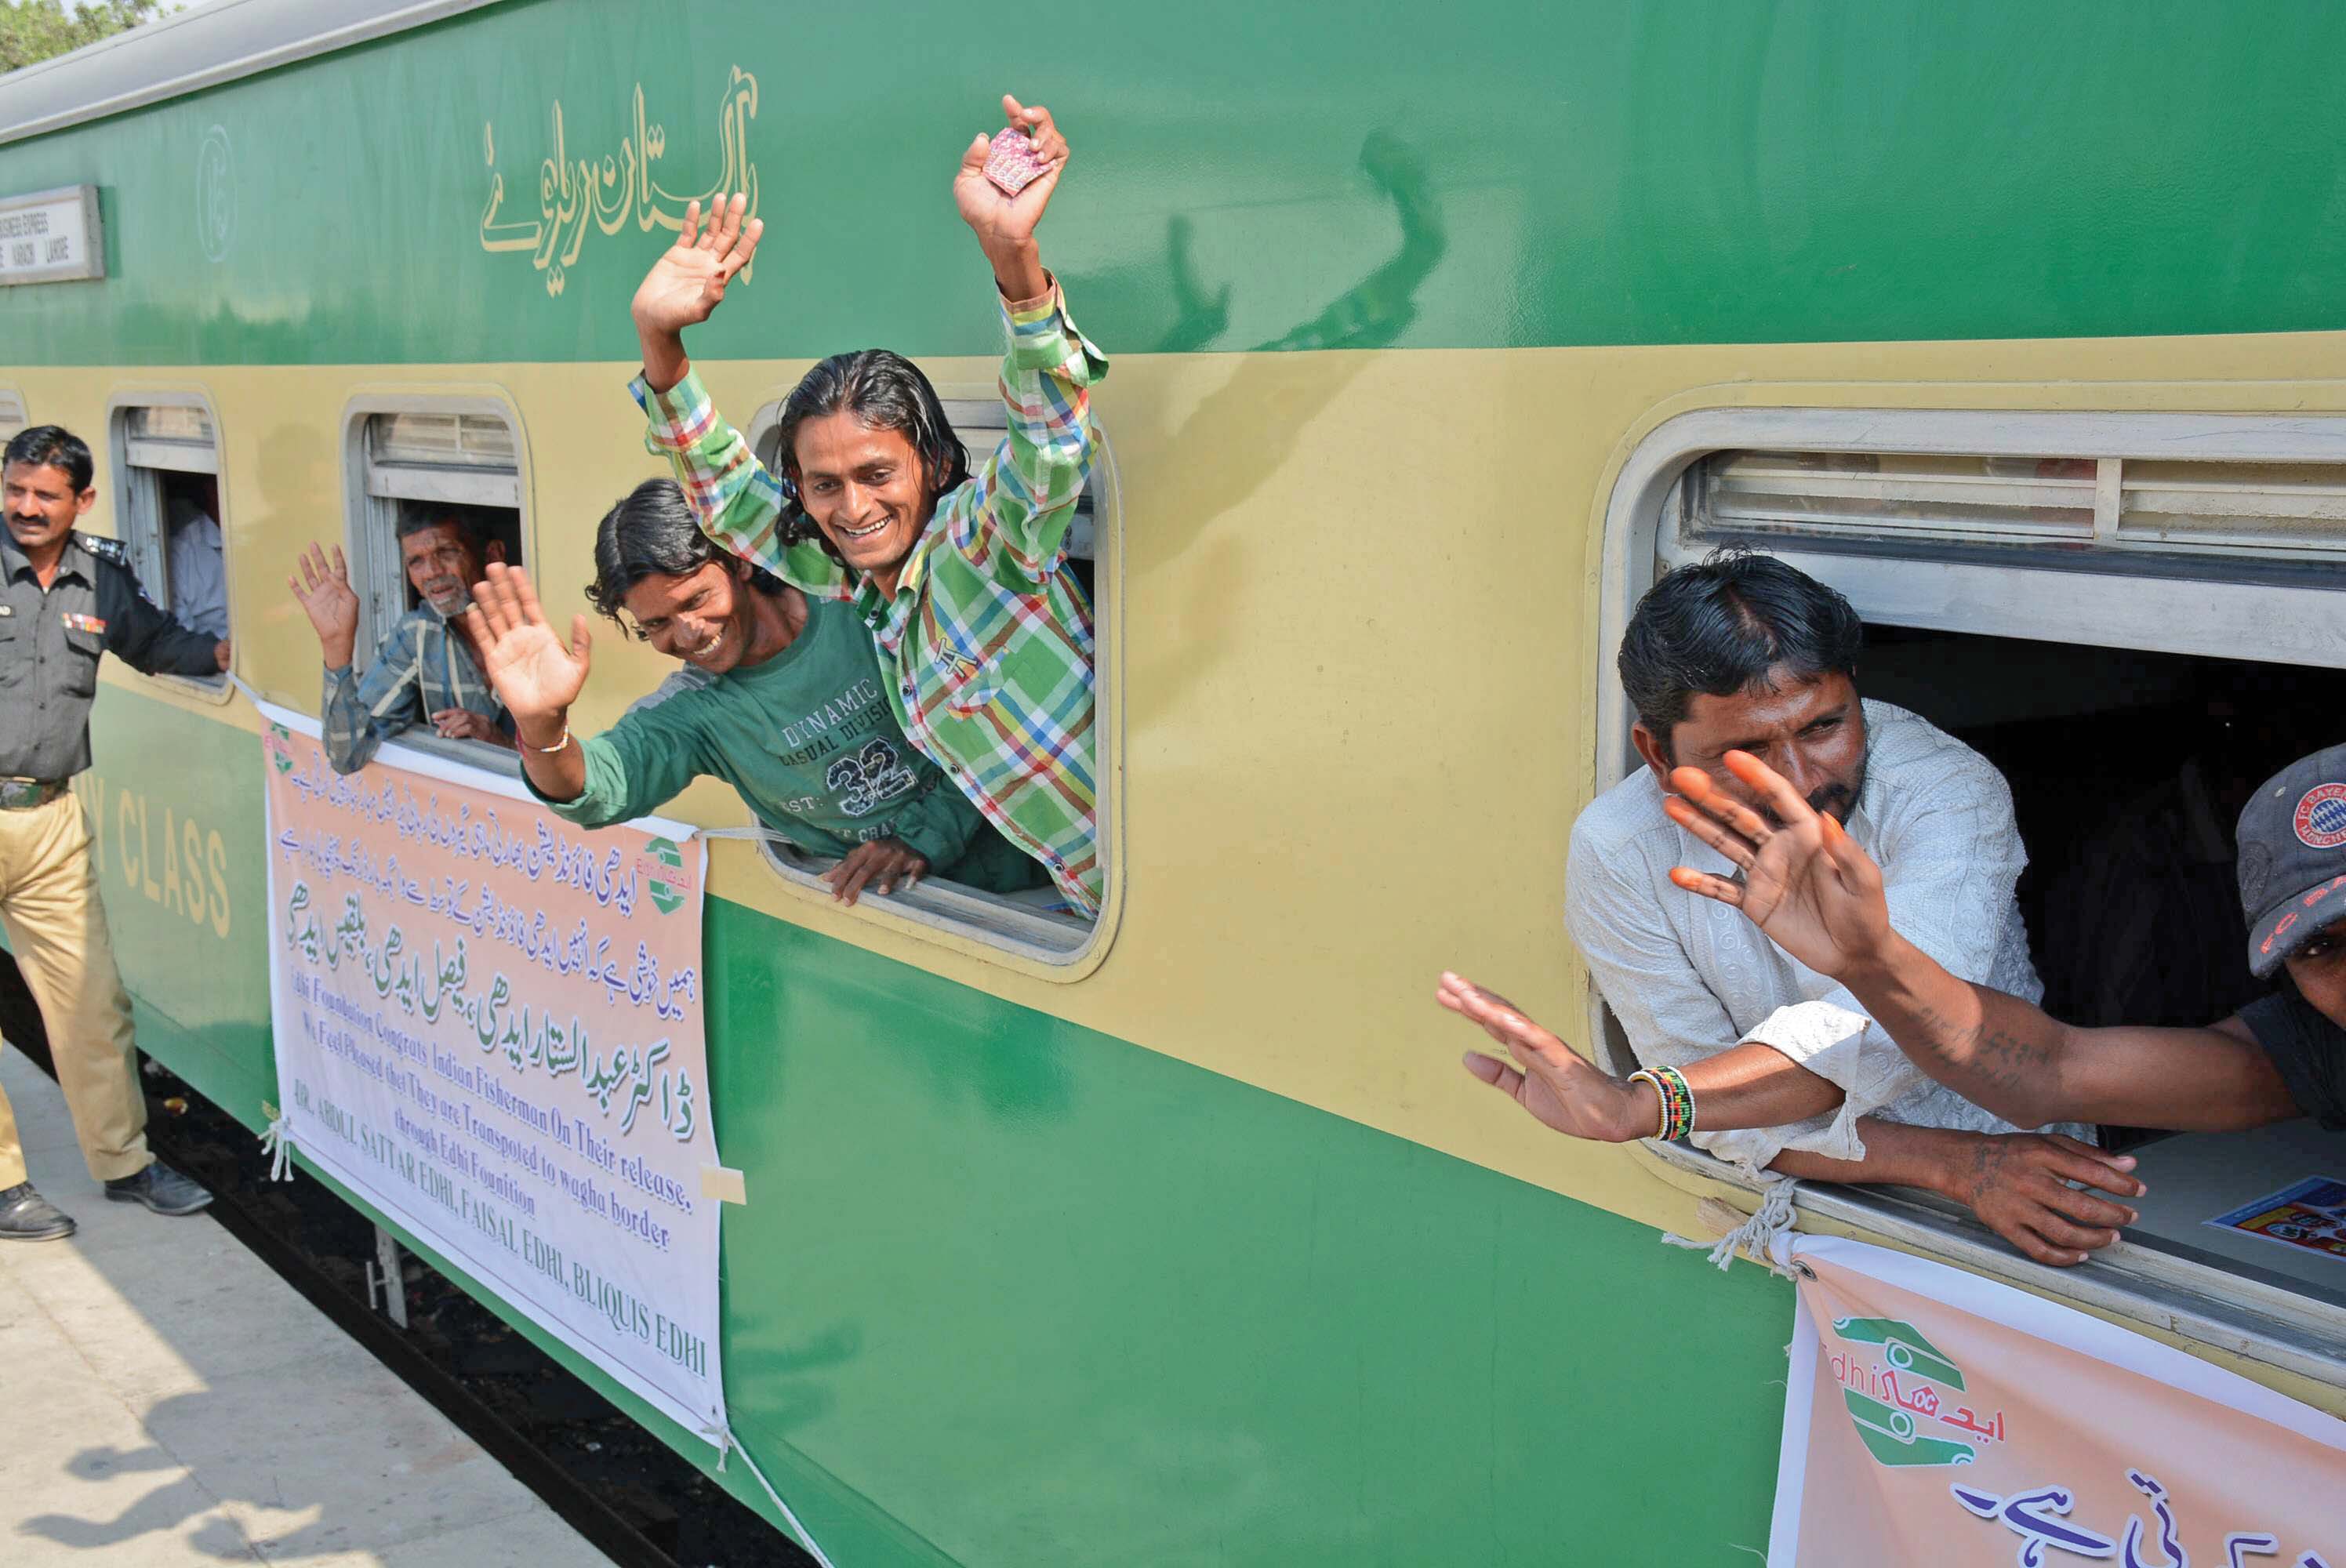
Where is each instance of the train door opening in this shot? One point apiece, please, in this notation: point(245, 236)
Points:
point(2137, 618)
point(166, 462)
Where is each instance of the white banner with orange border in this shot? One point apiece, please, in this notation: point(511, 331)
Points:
point(1936, 1417)
point(489, 1026)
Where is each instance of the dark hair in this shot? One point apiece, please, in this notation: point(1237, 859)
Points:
point(652, 533)
point(415, 519)
point(884, 391)
point(54, 446)
point(1722, 626)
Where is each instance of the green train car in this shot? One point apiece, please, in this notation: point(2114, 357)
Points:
point(1180, 1237)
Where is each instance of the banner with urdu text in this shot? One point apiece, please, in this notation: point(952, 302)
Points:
point(1933, 1416)
point(489, 1026)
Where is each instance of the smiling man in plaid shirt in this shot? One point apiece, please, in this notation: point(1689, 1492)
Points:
point(984, 635)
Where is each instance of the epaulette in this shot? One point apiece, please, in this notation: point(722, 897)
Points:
point(115, 553)
point(104, 548)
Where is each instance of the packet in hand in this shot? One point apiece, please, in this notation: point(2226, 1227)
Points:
point(1012, 164)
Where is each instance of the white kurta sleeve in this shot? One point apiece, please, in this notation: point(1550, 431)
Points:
point(1646, 977)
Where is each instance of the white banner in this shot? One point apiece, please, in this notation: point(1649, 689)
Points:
point(1933, 1416)
point(489, 1026)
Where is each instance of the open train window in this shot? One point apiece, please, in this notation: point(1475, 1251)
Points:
point(167, 465)
point(2127, 614)
point(409, 459)
point(1040, 925)
point(12, 415)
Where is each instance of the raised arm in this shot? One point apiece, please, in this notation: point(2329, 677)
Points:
point(739, 504)
point(1819, 896)
point(1027, 488)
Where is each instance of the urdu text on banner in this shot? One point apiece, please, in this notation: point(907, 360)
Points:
point(489, 1026)
point(1933, 1416)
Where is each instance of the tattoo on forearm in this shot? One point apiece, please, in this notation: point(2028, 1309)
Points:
point(1997, 1057)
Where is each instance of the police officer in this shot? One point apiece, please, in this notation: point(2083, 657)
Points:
point(66, 598)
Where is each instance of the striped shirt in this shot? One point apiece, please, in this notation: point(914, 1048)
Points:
point(421, 666)
point(987, 641)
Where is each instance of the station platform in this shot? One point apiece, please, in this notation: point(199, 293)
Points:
point(169, 1399)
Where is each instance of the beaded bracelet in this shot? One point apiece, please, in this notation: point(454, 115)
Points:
point(1677, 1101)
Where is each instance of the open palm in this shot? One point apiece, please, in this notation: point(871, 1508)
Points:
point(1547, 1077)
point(325, 594)
point(1805, 884)
point(688, 282)
point(536, 677)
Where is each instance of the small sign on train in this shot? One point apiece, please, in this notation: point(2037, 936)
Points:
point(51, 235)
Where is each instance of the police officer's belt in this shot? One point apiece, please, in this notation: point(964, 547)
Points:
point(23, 794)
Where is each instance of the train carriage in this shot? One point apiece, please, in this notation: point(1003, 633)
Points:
point(1177, 1236)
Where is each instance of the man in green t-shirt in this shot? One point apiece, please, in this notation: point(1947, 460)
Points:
point(779, 697)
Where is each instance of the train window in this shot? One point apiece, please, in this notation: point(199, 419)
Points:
point(12, 414)
point(2221, 515)
point(408, 459)
point(1040, 926)
point(166, 462)
point(2137, 618)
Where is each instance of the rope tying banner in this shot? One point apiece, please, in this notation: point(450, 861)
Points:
point(1757, 1236)
point(727, 1443)
point(277, 1143)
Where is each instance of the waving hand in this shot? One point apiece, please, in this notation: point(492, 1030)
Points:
point(536, 676)
point(325, 594)
point(1806, 885)
point(688, 283)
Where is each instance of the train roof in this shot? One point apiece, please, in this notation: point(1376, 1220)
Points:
point(194, 49)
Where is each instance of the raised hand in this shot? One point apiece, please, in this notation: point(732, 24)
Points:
point(688, 282)
point(1004, 224)
point(325, 594)
point(1555, 1083)
point(536, 676)
point(1806, 884)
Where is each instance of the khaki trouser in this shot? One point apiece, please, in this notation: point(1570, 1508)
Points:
point(48, 903)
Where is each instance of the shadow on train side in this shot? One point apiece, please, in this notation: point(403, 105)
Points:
point(1251, 422)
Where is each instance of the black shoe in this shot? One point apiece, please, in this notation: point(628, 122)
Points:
point(27, 1216)
point(160, 1188)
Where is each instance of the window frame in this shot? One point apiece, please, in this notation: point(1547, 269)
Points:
point(1965, 590)
point(136, 519)
point(369, 517)
point(938, 911)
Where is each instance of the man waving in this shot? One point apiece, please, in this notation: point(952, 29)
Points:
point(983, 635)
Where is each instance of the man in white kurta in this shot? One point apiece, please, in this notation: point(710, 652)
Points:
point(1687, 977)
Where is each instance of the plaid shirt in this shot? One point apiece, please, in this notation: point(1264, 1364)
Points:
point(987, 641)
point(419, 668)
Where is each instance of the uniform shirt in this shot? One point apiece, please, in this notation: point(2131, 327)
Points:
point(2308, 1051)
point(421, 666)
point(988, 638)
point(808, 742)
point(1688, 977)
point(50, 642)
